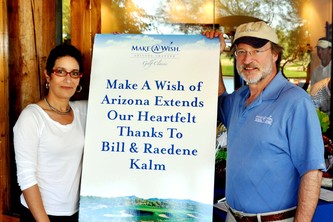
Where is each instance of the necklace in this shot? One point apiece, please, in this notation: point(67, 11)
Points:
point(56, 110)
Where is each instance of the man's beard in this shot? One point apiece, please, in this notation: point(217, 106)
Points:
point(264, 72)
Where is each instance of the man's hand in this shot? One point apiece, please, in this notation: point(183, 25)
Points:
point(215, 34)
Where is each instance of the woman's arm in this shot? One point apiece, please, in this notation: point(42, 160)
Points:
point(34, 200)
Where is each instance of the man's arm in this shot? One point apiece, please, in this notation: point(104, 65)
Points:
point(217, 34)
point(308, 195)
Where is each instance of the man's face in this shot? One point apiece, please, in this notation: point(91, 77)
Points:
point(255, 64)
point(324, 54)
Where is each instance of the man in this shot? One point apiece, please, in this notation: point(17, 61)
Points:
point(275, 148)
point(324, 50)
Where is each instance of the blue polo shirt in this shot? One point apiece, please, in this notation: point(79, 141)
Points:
point(271, 144)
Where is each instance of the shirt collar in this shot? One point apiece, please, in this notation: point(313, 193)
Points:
point(271, 92)
point(274, 88)
point(323, 67)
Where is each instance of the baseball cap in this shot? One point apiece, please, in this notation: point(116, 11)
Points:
point(256, 34)
point(322, 43)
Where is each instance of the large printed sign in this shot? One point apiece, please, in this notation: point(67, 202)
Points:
point(151, 129)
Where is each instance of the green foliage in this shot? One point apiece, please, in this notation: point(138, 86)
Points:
point(221, 146)
point(296, 47)
point(324, 120)
point(187, 17)
point(129, 17)
point(282, 13)
point(66, 13)
point(228, 70)
point(220, 155)
point(295, 74)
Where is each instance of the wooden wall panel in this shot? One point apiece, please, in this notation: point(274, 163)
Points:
point(45, 36)
point(96, 21)
point(4, 111)
point(31, 35)
point(85, 23)
point(24, 76)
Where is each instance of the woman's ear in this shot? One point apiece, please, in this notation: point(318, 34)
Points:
point(47, 77)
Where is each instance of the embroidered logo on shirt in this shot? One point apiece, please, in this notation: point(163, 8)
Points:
point(264, 119)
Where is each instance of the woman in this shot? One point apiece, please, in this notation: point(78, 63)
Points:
point(49, 140)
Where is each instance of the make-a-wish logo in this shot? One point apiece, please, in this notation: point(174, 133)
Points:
point(264, 119)
point(157, 49)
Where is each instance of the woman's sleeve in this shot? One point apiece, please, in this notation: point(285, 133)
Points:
point(26, 140)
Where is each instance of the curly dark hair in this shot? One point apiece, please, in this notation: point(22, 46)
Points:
point(61, 51)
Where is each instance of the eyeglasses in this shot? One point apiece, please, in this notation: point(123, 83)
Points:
point(75, 74)
point(241, 53)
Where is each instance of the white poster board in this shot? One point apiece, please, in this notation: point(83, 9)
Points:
point(151, 129)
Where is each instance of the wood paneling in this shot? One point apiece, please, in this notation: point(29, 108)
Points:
point(46, 39)
point(5, 218)
point(30, 37)
point(4, 110)
point(24, 68)
point(85, 23)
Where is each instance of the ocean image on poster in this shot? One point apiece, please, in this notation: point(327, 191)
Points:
point(150, 139)
point(98, 209)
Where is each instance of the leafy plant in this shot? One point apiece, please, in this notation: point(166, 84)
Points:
point(221, 144)
point(221, 155)
point(324, 120)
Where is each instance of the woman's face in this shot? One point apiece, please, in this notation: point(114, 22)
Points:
point(63, 86)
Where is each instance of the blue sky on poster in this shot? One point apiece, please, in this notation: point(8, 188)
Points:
point(197, 42)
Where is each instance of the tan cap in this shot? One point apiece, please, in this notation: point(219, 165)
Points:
point(257, 30)
point(324, 44)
